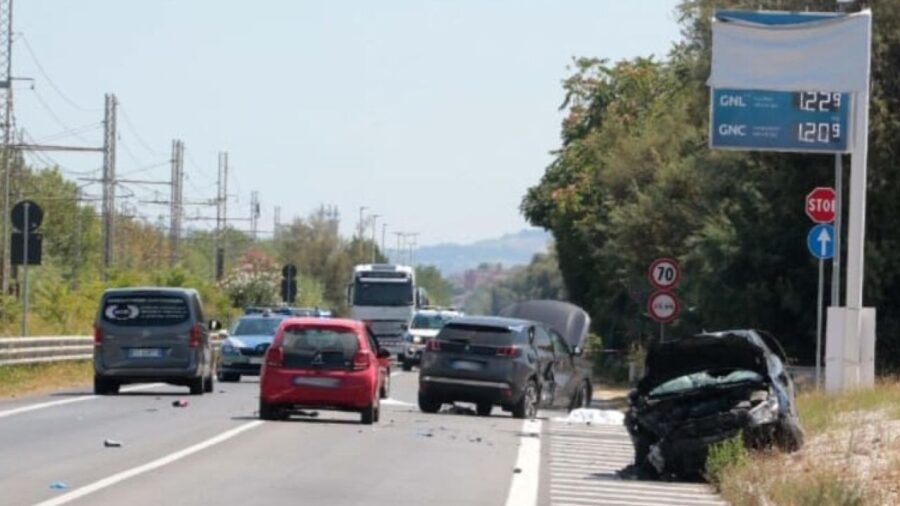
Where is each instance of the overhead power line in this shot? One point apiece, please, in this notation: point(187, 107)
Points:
point(46, 75)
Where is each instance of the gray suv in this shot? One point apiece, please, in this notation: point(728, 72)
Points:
point(521, 363)
point(152, 334)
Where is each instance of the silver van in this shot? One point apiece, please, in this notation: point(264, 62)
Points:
point(152, 334)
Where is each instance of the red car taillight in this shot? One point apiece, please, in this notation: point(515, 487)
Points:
point(433, 345)
point(274, 356)
point(361, 361)
point(509, 351)
point(195, 336)
point(98, 336)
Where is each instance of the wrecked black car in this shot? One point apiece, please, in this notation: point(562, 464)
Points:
point(700, 390)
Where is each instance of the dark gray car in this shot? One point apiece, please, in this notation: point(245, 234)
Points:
point(152, 334)
point(516, 363)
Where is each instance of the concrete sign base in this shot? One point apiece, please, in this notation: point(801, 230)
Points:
point(849, 349)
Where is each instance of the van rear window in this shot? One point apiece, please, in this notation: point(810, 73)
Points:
point(149, 310)
point(319, 347)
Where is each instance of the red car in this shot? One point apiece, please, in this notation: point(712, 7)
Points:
point(316, 363)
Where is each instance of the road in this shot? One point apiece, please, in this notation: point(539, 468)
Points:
point(215, 451)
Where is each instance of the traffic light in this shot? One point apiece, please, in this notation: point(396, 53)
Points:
point(289, 283)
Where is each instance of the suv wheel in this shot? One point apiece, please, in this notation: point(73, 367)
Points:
point(209, 384)
point(406, 365)
point(527, 405)
point(484, 408)
point(427, 404)
point(196, 385)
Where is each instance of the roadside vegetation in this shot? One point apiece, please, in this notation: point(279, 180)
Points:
point(851, 456)
point(16, 380)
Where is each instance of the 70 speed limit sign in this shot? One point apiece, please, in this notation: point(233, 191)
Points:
point(664, 274)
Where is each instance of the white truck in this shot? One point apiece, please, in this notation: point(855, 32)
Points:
point(385, 296)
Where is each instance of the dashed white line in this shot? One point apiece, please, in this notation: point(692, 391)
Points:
point(150, 466)
point(62, 402)
point(523, 491)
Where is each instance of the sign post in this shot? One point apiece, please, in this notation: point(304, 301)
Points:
point(820, 241)
point(26, 217)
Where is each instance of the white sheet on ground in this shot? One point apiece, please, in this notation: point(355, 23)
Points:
point(593, 416)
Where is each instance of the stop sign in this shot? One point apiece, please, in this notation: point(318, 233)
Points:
point(820, 205)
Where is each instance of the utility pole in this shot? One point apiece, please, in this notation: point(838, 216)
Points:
point(374, 242)
point(7, 123)
point(221, 215)
point(109, 180)
point(176, 202)
point(400, 237)
point(383, 233)
point(254, 214)
point(412, 247)
point(276, 222)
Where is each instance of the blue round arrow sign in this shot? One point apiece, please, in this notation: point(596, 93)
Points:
point(820, 241)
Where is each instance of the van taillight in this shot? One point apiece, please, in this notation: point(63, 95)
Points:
point(98, 336)
point(360, 361)
point(274, 356)
point(195, 336)
point(509, 351)
point(433, 345)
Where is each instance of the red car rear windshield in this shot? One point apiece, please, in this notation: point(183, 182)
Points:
point(323, 347)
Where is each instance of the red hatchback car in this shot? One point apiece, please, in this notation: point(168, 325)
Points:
point(317, 363)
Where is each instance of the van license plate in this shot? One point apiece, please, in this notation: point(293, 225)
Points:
point(316, 382)
point(465, 365)
point(255, 360)
point(145, 353)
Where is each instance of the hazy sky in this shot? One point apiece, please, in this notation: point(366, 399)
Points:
point(437, 115)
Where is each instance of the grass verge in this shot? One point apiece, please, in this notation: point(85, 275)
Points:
point(851, 456)
point(17, 380)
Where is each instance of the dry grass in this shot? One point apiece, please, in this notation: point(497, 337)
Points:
point(851, 456)
point(18, 380)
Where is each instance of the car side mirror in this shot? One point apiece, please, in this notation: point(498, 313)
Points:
point(215, 325)
point(577, 351)
point(383, 353)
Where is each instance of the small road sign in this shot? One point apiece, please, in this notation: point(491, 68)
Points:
point(664, 274)
point(820, 241)
point(663, 307)
point(820, 205)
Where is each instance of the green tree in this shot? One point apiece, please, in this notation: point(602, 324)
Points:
point(439, 290)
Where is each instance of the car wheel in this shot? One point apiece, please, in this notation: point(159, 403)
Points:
point(196, 385)
point(209, 384)
point(788, 435)
point(368, 414)
point(484, 408)
point(406, 365)
point(229, 377)
point(527, 405)
point(268, 411)
point(427, 404)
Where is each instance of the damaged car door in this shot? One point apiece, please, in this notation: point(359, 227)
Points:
point(704, 389)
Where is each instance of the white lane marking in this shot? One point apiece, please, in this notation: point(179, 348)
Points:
point(61, 402)
point(150, 466)
point(523, 491)
point(395, 402)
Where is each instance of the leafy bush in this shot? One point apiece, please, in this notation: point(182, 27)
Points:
point(723, 456)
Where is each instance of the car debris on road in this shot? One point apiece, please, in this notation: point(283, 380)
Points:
point(112, 443)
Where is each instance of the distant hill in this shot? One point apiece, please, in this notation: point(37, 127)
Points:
point(509, 250)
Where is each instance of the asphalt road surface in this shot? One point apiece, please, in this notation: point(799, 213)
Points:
point(215, 451)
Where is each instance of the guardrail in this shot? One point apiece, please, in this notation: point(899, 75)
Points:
point(39, 350)
point(36, 350)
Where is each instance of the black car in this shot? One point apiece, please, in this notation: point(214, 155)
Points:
point(519, 364)
point(707, 388)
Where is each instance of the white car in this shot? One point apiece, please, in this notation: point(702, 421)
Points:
point(425, 325)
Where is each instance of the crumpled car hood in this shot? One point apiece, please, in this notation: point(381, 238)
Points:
point(572, 322)
point(722, 350)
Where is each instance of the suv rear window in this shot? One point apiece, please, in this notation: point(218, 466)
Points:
point(145, 310)
point(319, 347)
point(477, 335)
